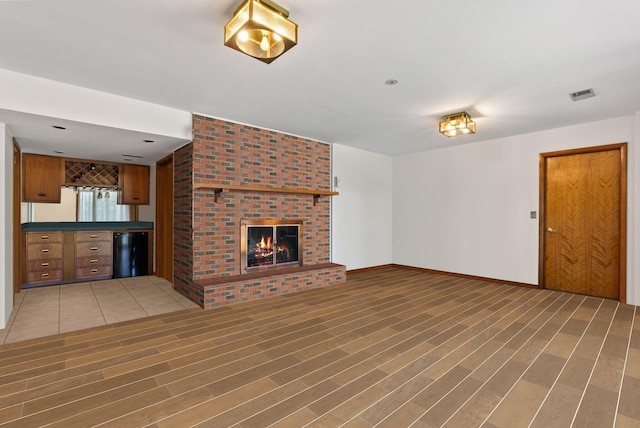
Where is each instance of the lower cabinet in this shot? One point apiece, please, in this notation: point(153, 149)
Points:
point(44, 257)
point(94, 254)
point(54, 257)
point(73, 256)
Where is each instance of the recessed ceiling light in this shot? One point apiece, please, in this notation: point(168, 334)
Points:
point(391, 82)
point(58, 152)
point(132, 156)
point(148, 141)
point(58, 127)
point(126, 160)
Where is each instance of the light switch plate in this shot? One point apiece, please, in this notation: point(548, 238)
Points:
point(533, 214)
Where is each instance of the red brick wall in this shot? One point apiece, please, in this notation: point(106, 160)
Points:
point(207, 234)
point(182, 220)
point(239, 155)
point(242, 290)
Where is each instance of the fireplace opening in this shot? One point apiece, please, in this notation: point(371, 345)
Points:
point(270, 243)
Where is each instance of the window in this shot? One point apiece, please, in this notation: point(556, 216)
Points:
point(101, 205)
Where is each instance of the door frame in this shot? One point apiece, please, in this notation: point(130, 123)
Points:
point(622, 148)
point(164, 240)
point(17, 233)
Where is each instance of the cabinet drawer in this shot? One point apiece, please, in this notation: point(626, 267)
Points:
point(93, 271)
point(51, 275)
point(37, 237)
point(44, 251)
point(90, 249)
point(44, 265)
point(93, 236)
point(82, 262)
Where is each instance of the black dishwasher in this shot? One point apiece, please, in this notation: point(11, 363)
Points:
point(130, 254)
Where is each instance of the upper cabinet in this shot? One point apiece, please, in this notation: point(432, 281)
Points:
point(42, 178)
point(133, 181)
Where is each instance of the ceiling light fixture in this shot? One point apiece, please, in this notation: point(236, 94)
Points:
point(457, 124)
point(260, 28)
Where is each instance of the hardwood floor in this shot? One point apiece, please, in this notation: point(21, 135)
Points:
point(390, 348)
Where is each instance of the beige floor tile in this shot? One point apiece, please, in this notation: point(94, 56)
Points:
point(118, 313)
point(32, 331)
point(44, 311)
point(18, 298)
point(79, 323)
point(163, 309)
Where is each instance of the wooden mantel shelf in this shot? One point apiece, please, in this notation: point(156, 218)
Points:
point(218, 189)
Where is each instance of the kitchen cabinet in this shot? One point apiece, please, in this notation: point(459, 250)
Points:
point(133, 181)
point(67, 252)
point(44, 257)
point(41, 178)
point(94, 254)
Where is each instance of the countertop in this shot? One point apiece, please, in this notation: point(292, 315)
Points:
point(94, 225)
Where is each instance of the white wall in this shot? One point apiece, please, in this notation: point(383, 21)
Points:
point(361, 214)
point(148, 212)
point(6, 226)
point(466, 209)
point(34, 95)
point(66, 210)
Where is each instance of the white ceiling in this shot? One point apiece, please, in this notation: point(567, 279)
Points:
point(511, 64)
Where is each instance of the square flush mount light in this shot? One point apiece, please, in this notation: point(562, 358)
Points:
point(260, 28)
point(457, 124)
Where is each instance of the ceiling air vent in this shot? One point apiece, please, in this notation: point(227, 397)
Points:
point(582, 95)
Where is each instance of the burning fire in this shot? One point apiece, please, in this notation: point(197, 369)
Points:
point(262, 244)
point(265, 249)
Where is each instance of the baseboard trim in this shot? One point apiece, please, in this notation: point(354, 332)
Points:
point(440, 272)
point(369, 269)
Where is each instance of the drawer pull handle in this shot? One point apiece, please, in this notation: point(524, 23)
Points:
point(44, 237)
point(94, 270)
point(94, 248)
point(93, 261)
point(44, 275)
point(41, 194)
point(93, 236)
point(45, 251)
point(45, 264)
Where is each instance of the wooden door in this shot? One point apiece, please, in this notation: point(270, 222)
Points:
point(583, 227)
point(164, 218)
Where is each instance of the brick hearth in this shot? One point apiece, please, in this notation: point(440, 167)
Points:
point(207, 233)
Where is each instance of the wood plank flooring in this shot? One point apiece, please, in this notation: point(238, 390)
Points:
point(389, 348)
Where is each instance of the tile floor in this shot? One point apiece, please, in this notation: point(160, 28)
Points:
point(44, 311)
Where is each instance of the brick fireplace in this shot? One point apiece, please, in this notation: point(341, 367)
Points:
point(220, 180)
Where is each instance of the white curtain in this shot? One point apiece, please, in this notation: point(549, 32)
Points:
point(94, 205)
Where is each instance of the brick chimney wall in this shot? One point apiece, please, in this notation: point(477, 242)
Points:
point(232, 154)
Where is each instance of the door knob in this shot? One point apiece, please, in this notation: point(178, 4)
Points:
point(550, 230)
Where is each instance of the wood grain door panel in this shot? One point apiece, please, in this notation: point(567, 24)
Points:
point(164, 218)
point(583, 200)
